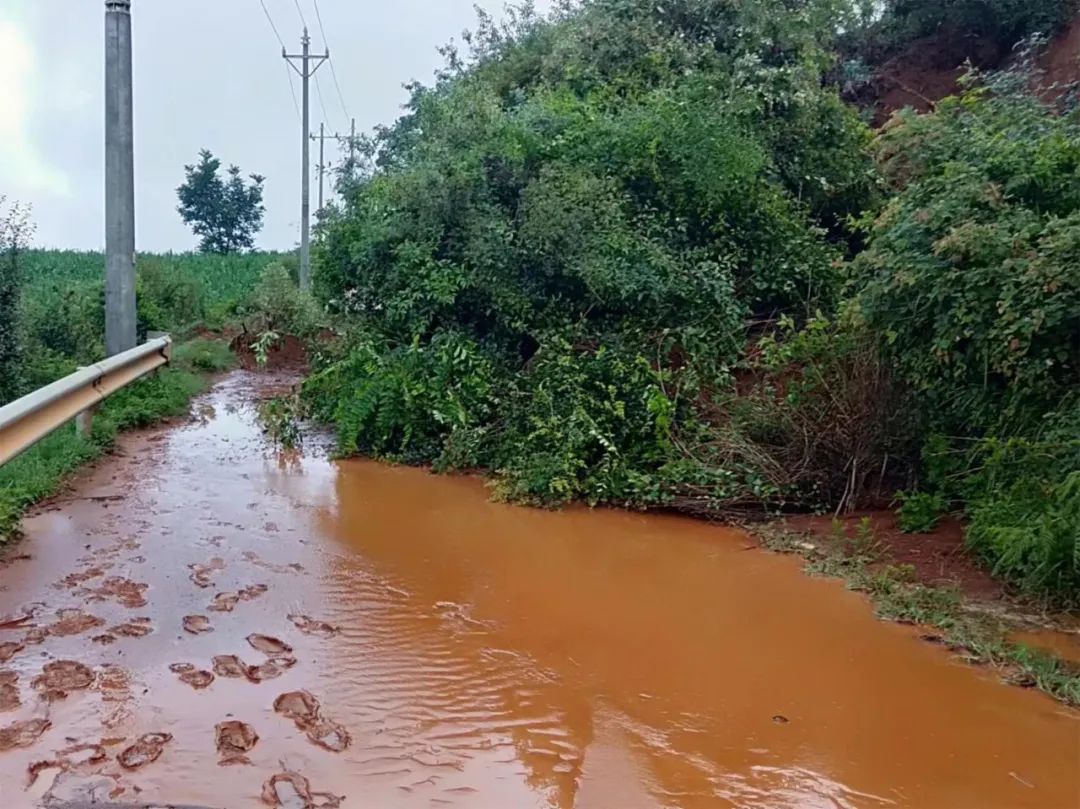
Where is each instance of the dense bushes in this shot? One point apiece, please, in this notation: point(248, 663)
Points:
point(972, 278)
point(973, 271)
point(564, 240)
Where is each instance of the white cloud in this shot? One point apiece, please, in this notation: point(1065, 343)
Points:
point(23, 170)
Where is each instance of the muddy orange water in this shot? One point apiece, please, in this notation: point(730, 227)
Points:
point(258, 626)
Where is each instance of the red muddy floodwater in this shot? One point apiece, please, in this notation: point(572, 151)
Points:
point(203, 623)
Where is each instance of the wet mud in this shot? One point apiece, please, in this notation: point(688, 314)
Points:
point(397, 638)
point(146, 750)
point(234, 740)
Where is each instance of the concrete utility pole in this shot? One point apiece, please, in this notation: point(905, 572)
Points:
point(119, 181)
point(321, 138)
point(308, 66)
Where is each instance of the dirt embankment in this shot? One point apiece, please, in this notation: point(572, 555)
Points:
point(929, 69)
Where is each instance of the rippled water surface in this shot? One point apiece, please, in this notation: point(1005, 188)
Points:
point(461, 653)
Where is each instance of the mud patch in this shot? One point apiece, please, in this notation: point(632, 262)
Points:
point(306, 713)
point(253, 592)
point(128, 593)
point(234, 740)
point(229, 666)
point(224, 602)
point(9, 649)
point(59, 678)
point(197, 624)
point(114, 683)
point(74, 622)
point(202, 575)
point(309, 626)
point(270, 670)
point(137, 628)
point(293, 791)
point(23, 734)
point(269, 645)
point(9, 695)
point(192, 675)
point(72, 758)
point(145, 751)
point(79, 578)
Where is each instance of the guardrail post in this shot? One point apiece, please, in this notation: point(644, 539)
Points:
point(84, 423)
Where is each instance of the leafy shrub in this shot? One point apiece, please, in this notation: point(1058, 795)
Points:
point(587, 424)
point(280, 417)
point(405, 403)
point(1031, 534)
point(276, 304)
point(920, 512)
point(557, 248)
point(972, 275)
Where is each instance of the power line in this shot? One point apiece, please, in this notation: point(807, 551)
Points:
point(292, 91)
point(333, 70)
point(300, 11)
point(322, 104)
point(270, 20)
point(281, 42)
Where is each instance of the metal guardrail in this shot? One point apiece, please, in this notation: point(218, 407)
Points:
point(26, 421)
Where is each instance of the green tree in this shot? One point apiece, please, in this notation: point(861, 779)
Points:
point(225, 213)
point(15, 231)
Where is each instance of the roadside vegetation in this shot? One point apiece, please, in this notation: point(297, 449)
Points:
point(53, 323)
point(651, 256)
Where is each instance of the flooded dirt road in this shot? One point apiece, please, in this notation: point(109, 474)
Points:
point(202, 623)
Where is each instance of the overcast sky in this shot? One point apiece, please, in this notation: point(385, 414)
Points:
point(208, 74)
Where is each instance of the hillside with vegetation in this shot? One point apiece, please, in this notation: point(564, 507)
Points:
point(656, 255)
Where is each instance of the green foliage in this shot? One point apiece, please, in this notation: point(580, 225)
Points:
point(167, 299)
point(972, 275)
point(15, 230)
point(920, 512)
point(42, 470)
point(203, 356)
point(276, 305)
point(587, 424)
point(406, 402)
point(1031, 534)
point(558, 246)
point(224, 213)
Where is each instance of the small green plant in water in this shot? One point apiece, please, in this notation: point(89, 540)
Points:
point(280, 418)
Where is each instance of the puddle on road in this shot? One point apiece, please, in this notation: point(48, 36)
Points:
point(383, 637)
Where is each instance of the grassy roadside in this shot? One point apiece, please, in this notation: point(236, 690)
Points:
point(43, 470)
point(974, 635)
